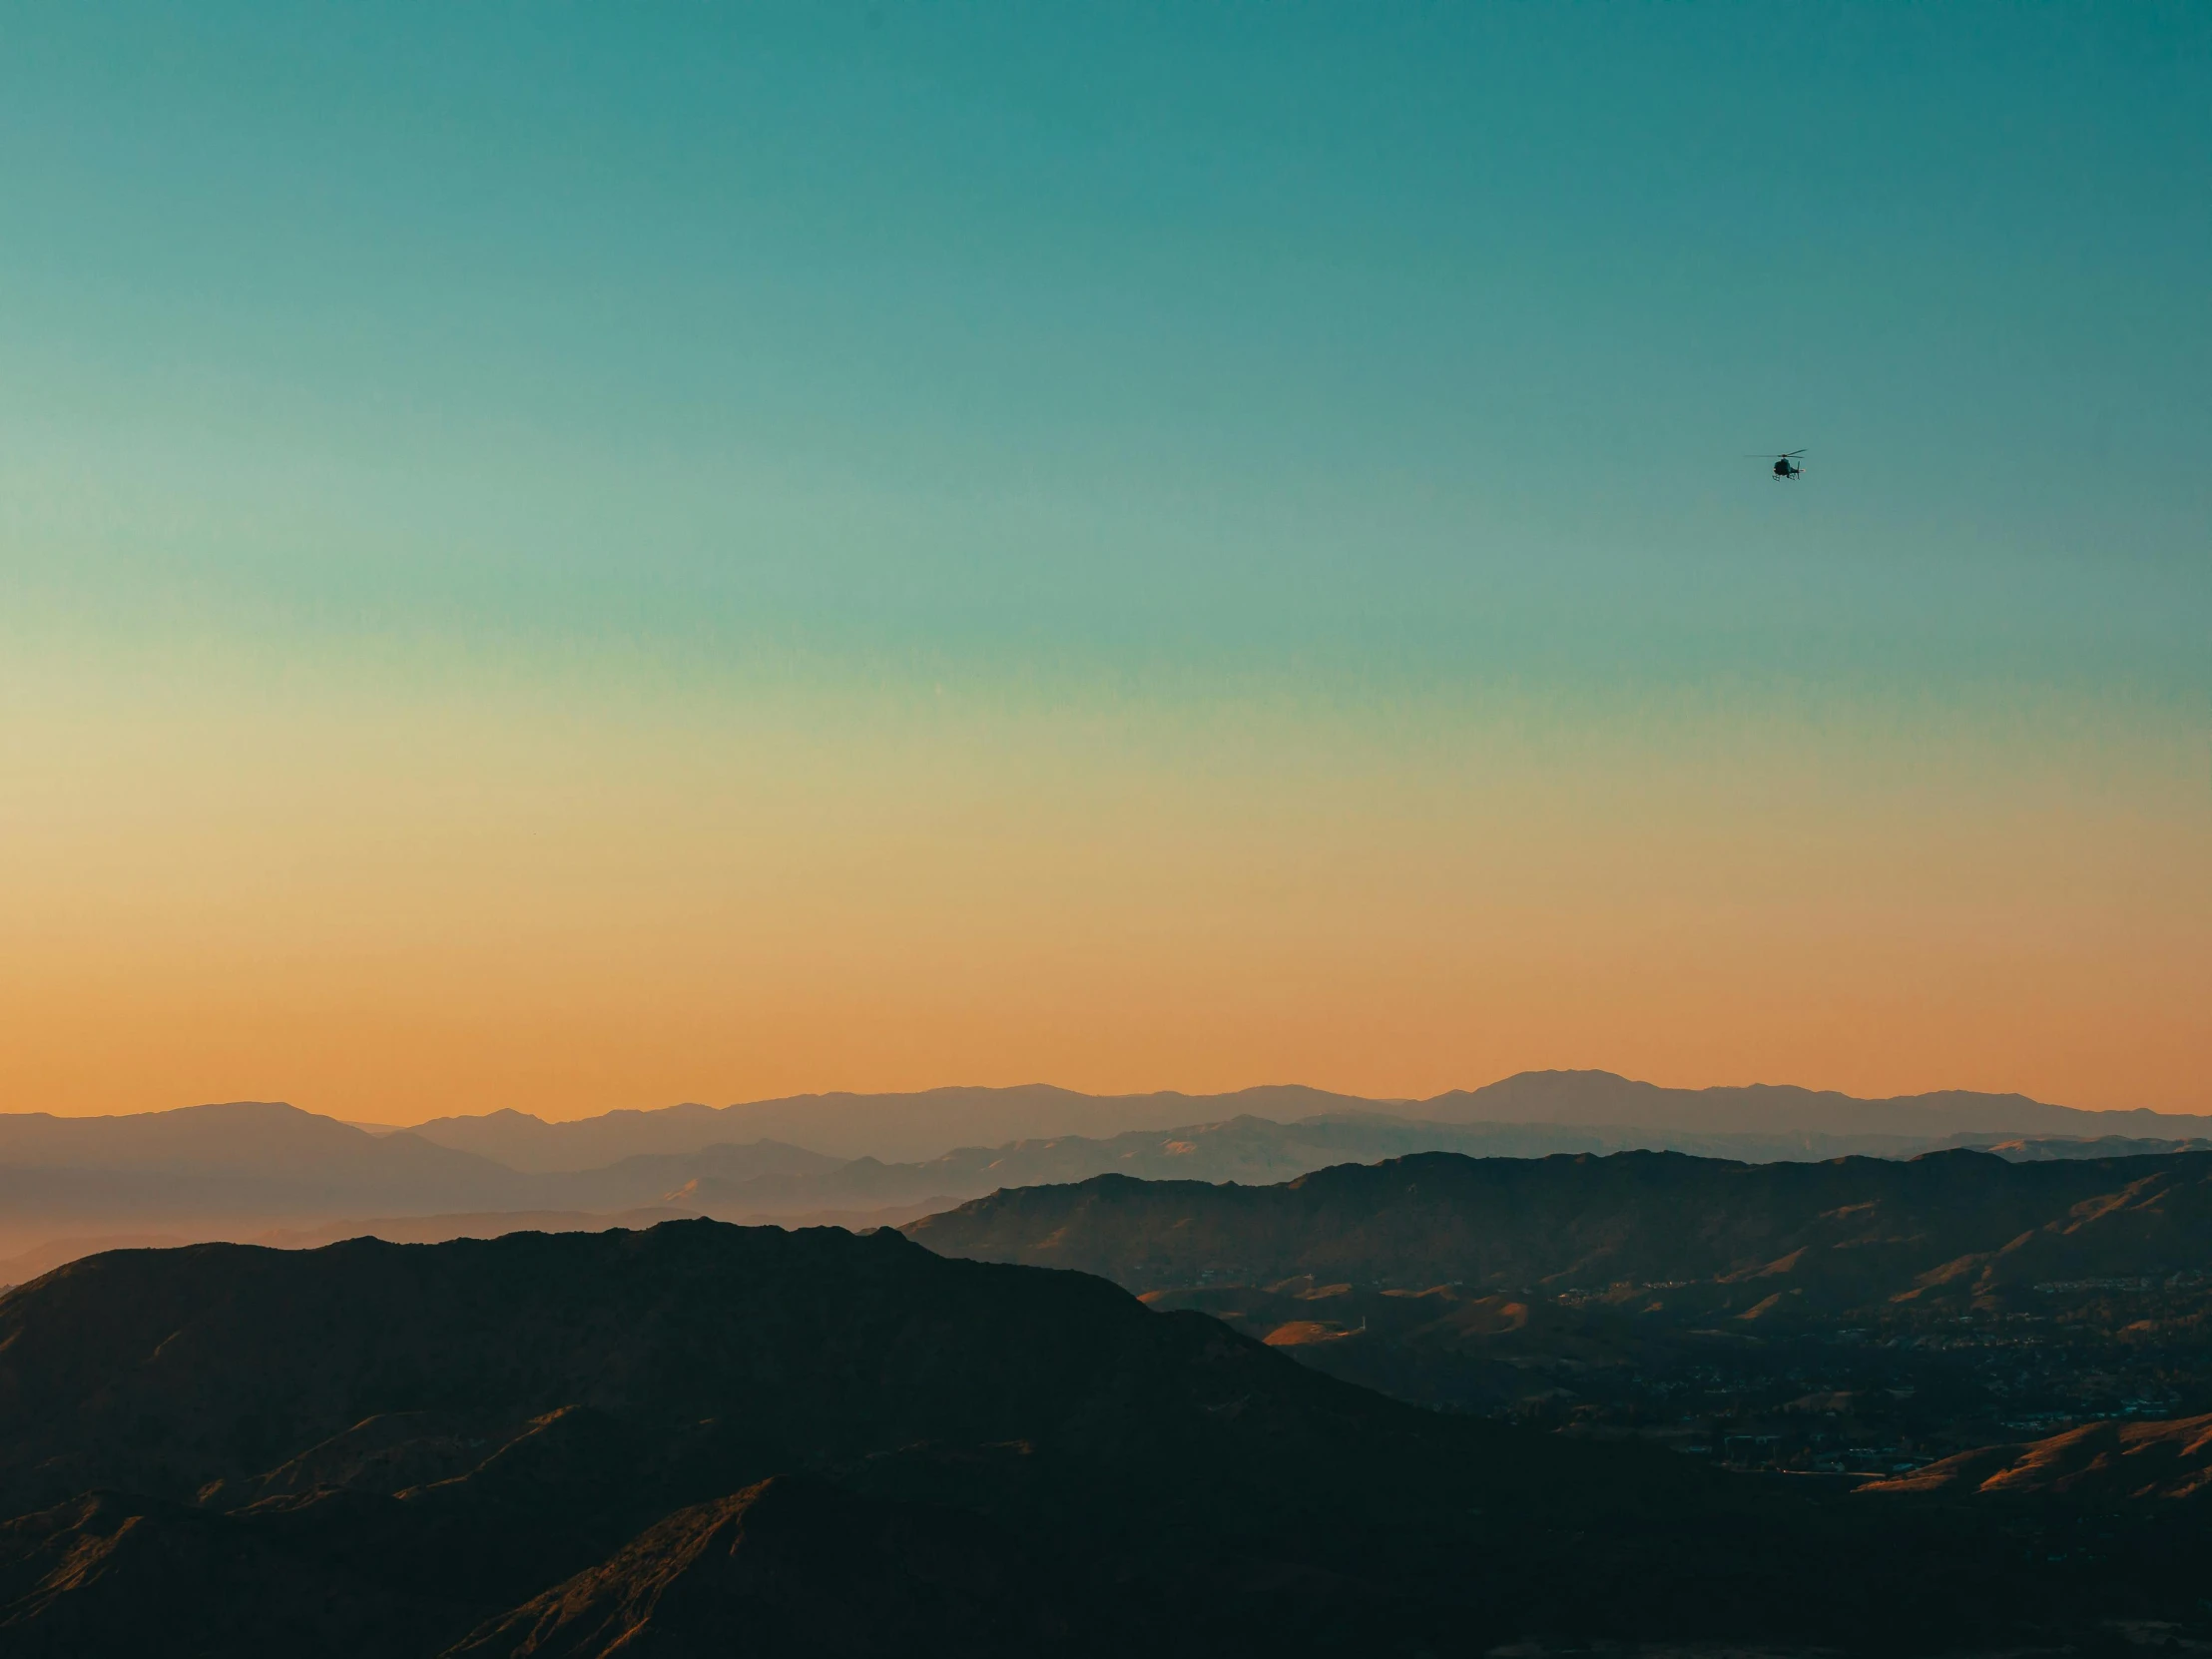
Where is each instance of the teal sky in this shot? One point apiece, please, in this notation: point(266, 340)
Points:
point(1324, 377)
point(1410, 339)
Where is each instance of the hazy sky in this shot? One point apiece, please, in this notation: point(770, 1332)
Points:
point(569, 556)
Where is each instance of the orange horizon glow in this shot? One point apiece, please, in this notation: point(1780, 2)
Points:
point(452, 911)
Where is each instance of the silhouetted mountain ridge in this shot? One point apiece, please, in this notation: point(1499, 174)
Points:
point(1854, 1228)
point(1593, 1097)
point(448, 1431)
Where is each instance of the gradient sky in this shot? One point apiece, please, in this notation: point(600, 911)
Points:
point(569, 557)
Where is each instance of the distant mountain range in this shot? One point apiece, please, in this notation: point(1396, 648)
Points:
point(268, 1172)
point(907, 1128)
point(895, 1128)
point(1595, 1097)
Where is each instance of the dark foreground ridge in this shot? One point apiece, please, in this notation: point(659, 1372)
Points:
point(708, 1438)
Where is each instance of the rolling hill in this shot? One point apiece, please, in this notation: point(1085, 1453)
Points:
point(2100, 1463)
point(1862, 1317)
point(1942, 1225)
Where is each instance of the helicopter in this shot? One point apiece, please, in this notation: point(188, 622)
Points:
point(1785, 465)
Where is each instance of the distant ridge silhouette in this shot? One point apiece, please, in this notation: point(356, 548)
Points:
point(893, 1127)
point(928, 1123)
point(253, 1170)
point(1604, 1097)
